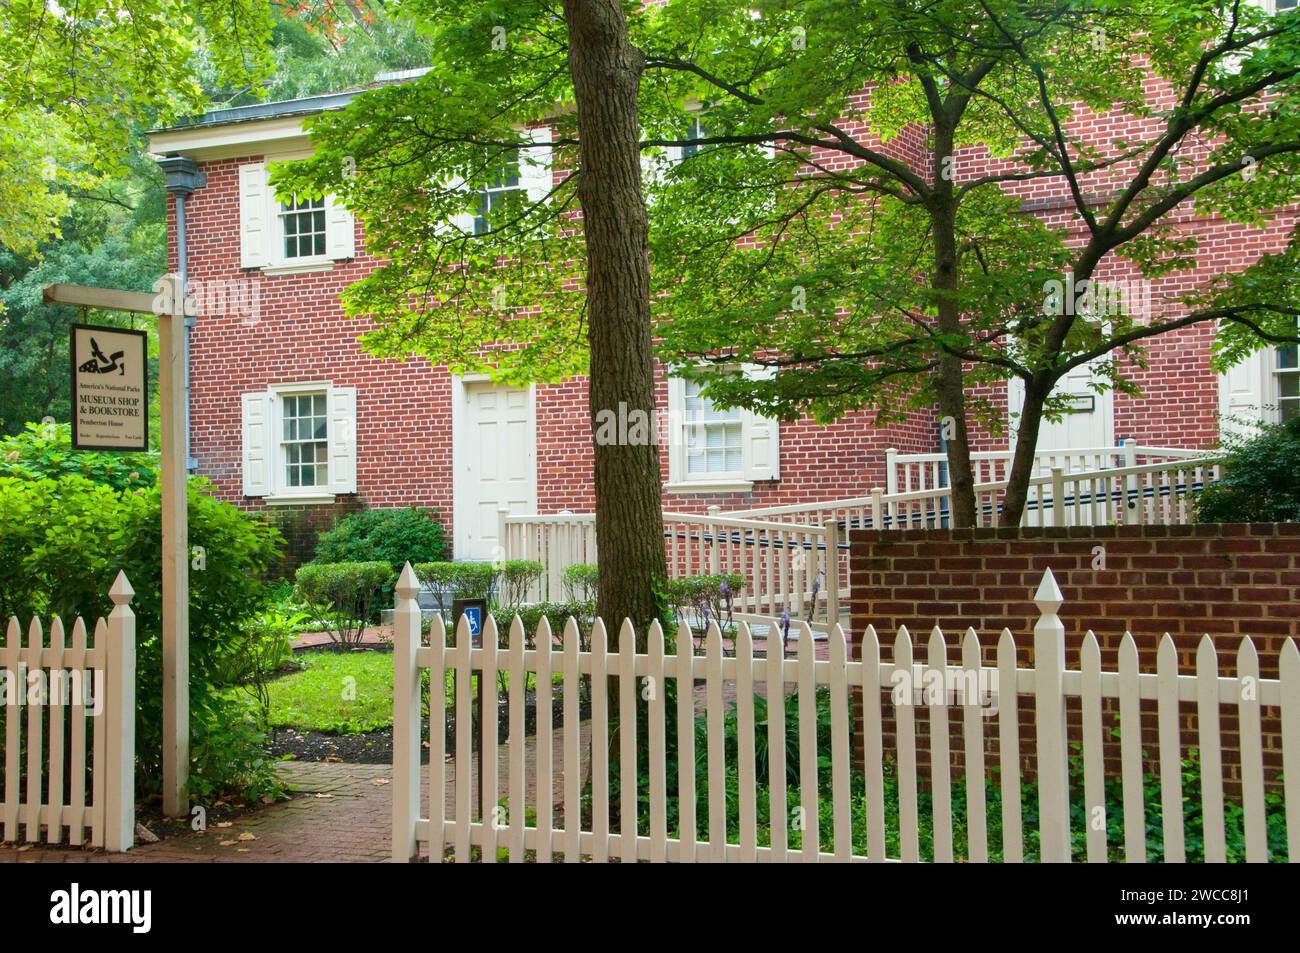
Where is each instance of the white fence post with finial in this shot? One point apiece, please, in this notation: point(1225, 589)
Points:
point(119, 710)
point(406, 716)
point(1049, 705)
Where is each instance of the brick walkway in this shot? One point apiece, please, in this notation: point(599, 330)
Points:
point(338, 813)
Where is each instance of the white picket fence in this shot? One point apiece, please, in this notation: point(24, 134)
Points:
point(468, 829)
point(67, 782)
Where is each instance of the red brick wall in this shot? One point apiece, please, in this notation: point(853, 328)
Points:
point(1228, 580)
point(403, 408)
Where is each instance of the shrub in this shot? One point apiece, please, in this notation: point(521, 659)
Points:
point(556, 613)
point(348, 592)
point(1261, 482)
point(515, 578)
point(580, 581)
point(457, 581)
point(44, 451)
point(228, 754)
point(704, 599)
point(61, 543)
point(392, 536)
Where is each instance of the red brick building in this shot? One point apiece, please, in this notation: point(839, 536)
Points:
point(288, 414)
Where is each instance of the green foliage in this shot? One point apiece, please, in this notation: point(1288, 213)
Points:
point(838, 290)
point(313, 55)
point(557, 614)
point(61, 544)
point(514, 579)
point(347, 592)
point(393, 536)
point(78, 85)
point(452, 580)
point(264, 645)
point(580, 581)
point(701, 600)
point(44, 451)
point(1261, 481)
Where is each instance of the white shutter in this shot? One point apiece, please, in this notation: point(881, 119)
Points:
point(343, 440)
point(535, 164)
point(340, 233)
point(254, 216)
point(1241, 395)
point(257, 443)
point(762, 436)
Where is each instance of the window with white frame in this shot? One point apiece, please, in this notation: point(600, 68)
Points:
point(294, 235)
point(1287, 383)
point(712, 436)
point(717, 449)
point(525, 169)
point(299, 442)
point(304, 442)
point(507, 180)
point(1282, 6)
point(302, 227)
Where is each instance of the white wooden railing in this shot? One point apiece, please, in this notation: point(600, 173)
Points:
point(67, 781)
point(909, 472)
point(501, 821)
point(1146, 493)
point(787, 566)
point(784, 551)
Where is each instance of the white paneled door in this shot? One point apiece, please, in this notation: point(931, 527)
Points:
point(1089, 422)
point(495, 454)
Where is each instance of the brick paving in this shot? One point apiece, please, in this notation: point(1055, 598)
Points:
point(340, 813)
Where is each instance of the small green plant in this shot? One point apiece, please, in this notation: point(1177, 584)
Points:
point(348, 592)
point(556, 613)
point(516, 578)
point(264, 646)
point(394, 536)
point(580, 581)
point(702, 600)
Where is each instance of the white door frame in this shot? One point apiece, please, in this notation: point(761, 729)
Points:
point(459, 486)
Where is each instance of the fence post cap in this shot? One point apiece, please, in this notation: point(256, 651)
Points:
point(1048, 598)
point(407, 583)
point(121, 592)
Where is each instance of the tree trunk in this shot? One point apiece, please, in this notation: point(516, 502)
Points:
point(1022, 461)
point(950, 379)
point(606, 72)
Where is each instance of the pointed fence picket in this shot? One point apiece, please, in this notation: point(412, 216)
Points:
point(65, 788)
point(817, 810)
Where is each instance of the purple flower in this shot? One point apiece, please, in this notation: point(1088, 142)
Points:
point(725, 591)
point(785, 627)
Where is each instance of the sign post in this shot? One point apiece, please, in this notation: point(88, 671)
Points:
point(108, 367)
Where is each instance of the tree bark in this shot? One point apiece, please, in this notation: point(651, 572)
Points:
point(606, 71)
point(950, 378)
point(1022, 461)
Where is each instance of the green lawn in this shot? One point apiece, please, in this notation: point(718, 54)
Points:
point(342, 693)
point(337, 692)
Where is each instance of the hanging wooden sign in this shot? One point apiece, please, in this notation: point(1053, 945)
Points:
point(110, 388)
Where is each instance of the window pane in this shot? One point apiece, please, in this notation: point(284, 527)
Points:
point(1286, 357)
